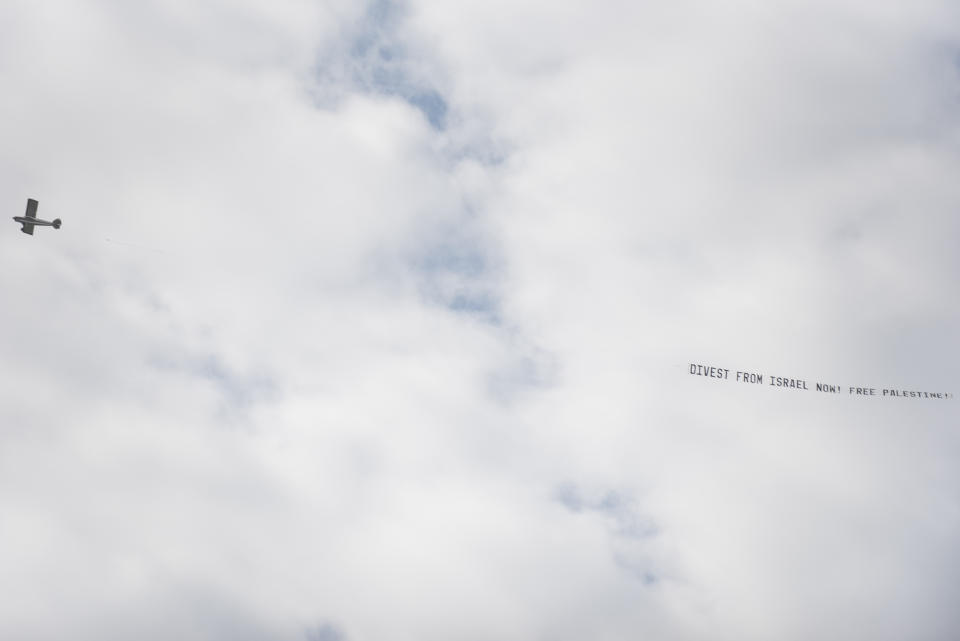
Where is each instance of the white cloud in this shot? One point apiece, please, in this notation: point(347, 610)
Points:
point(374, 320)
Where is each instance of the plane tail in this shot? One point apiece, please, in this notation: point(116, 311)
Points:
point(56, 223)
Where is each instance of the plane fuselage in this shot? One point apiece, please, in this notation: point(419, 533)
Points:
point(23, 220)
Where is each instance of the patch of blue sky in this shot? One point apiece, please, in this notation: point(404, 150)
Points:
point(454, 271)
point(485, 151)
point(433, 106)
point(476, 303)
point(639, 569)
point(468, 299)
point(619, 508)
point(465, 258)
point(239, 392)
point(377, 62)
point(325, 632)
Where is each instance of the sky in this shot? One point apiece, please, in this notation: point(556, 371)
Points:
point(376, 320)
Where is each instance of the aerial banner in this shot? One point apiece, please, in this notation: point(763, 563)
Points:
point(751, 377)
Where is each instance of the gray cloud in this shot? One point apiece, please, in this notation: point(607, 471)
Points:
point(446, 263)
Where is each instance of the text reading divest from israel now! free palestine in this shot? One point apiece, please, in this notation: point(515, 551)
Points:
point(755, 378)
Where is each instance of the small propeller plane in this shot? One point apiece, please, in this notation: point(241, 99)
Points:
point(29, 220)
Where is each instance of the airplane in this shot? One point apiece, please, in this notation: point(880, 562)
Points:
point(30, 220)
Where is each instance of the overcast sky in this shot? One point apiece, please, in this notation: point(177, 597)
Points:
point(375, 320)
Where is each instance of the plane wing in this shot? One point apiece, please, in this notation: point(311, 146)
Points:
point(27, 219)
